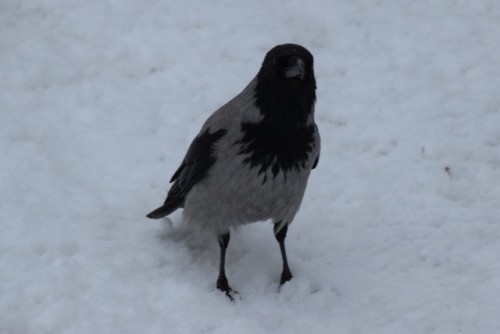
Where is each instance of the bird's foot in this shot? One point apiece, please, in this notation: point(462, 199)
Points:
point(223, 286)
point(286, 275)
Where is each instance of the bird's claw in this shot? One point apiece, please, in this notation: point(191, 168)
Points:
point(286, 276)
point(223, 286)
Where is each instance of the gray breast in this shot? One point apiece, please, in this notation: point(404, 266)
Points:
point(234, 193)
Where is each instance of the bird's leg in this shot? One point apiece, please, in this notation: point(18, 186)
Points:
point(280, 235)
point(222, 283)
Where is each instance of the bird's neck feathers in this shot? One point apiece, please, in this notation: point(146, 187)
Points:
point(285, 104)
point(284, 138)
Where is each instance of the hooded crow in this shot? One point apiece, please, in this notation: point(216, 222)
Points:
point(253, 156)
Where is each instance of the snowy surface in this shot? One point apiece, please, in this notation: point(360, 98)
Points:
point(399, 231)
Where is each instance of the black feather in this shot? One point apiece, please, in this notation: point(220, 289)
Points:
point(315, 162)
point(197, 162)
point(279, 148)
point(283, 139)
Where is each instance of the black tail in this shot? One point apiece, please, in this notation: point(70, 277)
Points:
point(164, 210)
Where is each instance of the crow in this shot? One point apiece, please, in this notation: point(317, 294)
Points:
point(252, 158)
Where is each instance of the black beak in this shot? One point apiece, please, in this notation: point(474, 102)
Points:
point(294, 67)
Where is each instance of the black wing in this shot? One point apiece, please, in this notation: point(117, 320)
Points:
point(315, 162)
point(318, 143)
point(198, 160)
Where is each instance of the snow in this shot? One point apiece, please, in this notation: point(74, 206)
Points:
point(398, 232)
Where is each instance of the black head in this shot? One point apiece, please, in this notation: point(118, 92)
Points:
point(288, 62)
point(286, 87)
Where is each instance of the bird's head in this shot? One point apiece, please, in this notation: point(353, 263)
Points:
point(285, 83)
point(288, 63)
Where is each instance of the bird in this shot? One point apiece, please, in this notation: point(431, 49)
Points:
point(252, 158)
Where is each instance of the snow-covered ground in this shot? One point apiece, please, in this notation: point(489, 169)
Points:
point(399, 231)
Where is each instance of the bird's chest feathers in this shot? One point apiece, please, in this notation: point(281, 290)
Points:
point(278, 147)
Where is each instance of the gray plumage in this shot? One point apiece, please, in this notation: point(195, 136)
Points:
point(253, 156)
point(234, 193)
